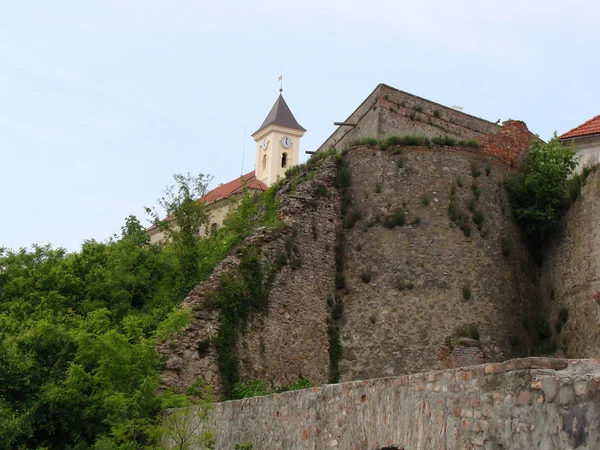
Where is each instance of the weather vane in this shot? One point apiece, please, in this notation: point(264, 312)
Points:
point(280, 79)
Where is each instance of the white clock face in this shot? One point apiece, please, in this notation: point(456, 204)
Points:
point(286, 142)
point(264, 144)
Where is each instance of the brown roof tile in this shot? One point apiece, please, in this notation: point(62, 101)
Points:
point(234, 187)
point(587, 128)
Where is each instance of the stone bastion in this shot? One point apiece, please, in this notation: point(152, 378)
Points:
point(524, 403)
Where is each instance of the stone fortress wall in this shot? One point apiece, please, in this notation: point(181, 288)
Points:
point(570, 275)
point(388, 111)
point(405, 303)
point(409, 315)
point(291, 340)
point(520, 404)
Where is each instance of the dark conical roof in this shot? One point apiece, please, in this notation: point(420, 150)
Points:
point(280, 114)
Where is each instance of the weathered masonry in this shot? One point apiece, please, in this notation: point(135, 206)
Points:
point(528, 403)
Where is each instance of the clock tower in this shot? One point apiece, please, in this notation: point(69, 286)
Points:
point(277, 143)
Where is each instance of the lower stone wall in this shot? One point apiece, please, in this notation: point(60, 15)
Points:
point(520, 404)
point(571, 276)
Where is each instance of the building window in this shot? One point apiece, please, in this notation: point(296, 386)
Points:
point(264, 162)
point(284, 160)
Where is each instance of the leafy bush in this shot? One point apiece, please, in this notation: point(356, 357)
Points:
point(340, 280)
point(337, 311)
point(335, 353)
point(351, 219)
point(436, 113)
point(254, 388)
point(468, 143)
point(471, 205)
point(475, 172)
point(444, 140)
point(342, 177)
point(538, 192)
point(478, 218)
point(470, 331)
point(394, 220)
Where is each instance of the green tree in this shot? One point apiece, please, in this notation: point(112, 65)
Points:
point(538, 191)
point(183, 219)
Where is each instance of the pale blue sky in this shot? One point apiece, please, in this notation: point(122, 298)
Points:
point(102, 101)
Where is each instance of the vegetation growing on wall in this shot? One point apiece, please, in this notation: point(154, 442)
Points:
point(393, 142)
point(257, 388)
point(538, 192)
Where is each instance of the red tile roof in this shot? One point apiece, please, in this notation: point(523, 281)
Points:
point(227, 190)
point(234, 187)
point(592, 126)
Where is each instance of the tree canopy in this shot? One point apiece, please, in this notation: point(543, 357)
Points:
point(78, 369)
point(538, 192)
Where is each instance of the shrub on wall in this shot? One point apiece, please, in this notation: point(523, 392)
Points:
point(538, 192)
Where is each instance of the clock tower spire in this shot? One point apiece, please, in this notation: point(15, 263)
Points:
point(277, 142)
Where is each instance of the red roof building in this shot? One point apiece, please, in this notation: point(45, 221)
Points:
point(234, 187)
point(586, 139)
point(588, 128)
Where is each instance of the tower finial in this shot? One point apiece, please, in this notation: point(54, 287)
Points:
point(280, 79)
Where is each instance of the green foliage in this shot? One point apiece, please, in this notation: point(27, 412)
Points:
point(459, 181)
point(538, 192)
point(257, 388)
point(395, 219)
point(342, 177)
point(377, 188)
point(475, 172)
point(340, 280)
point(335, 353)
point(563, 315)
point(436, 113)
point(238, 297)
point(425, 199)
point(244, 446)
point(254, 388)
point(470, 331)
point(337, 311)
point(459, 217)
point(478, 218)
point(78, 330)
point(351, 218)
